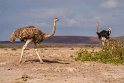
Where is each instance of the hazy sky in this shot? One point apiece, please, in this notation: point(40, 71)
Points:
point(77, 17)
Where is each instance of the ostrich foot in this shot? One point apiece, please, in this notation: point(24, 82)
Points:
point(41, 61)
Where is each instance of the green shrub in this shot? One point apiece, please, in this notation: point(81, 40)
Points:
point(112, 53)
point(1, 46)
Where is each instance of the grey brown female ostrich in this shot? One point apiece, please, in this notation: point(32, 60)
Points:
point(104, 35)
point(32, 34)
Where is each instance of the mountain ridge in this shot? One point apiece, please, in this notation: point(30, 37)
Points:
point(72, 39)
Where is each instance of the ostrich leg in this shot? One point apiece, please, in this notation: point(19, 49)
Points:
point(103, 40)
point(23, 48)
point(103, 43)
point(36, 50)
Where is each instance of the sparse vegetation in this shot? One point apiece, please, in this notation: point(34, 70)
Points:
point(59, 45)
point(112, 53)
point(1, 46)
point(13, 49)
point(42, 46)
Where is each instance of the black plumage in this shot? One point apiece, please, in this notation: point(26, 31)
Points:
point(103, 33)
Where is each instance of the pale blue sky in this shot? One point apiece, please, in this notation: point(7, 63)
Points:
point(77, 17)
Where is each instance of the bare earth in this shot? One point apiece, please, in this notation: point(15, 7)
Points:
point(58, 67)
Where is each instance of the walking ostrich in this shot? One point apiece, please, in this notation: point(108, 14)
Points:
point(32, 34)
point(104, 34)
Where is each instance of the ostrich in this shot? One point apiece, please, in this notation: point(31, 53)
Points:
point(32, 34)
point(104, 34)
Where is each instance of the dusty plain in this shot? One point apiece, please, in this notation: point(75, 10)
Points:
point(59, 67)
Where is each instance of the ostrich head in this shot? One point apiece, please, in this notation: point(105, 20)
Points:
point(55, 20)
point(109, 30)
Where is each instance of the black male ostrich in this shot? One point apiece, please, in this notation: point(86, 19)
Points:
point(104, 35)
point(32, 34)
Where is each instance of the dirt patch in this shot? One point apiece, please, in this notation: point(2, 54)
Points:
point(58, 67)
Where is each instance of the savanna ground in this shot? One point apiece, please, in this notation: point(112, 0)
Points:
point(59, 67)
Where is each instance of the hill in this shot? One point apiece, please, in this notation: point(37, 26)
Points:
point(72, 40)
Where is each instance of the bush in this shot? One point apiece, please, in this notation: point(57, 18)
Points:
point(1, 46)
point(112, 53)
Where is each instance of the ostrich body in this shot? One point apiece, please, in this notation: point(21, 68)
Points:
point(31, 34)
point(104, 35)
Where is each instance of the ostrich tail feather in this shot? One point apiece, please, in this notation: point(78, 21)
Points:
point(12, 37)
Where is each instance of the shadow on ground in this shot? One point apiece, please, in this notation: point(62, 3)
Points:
point(47, 61)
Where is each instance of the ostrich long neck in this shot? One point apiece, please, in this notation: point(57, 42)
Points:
point(97, 26)
point(53, 31)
